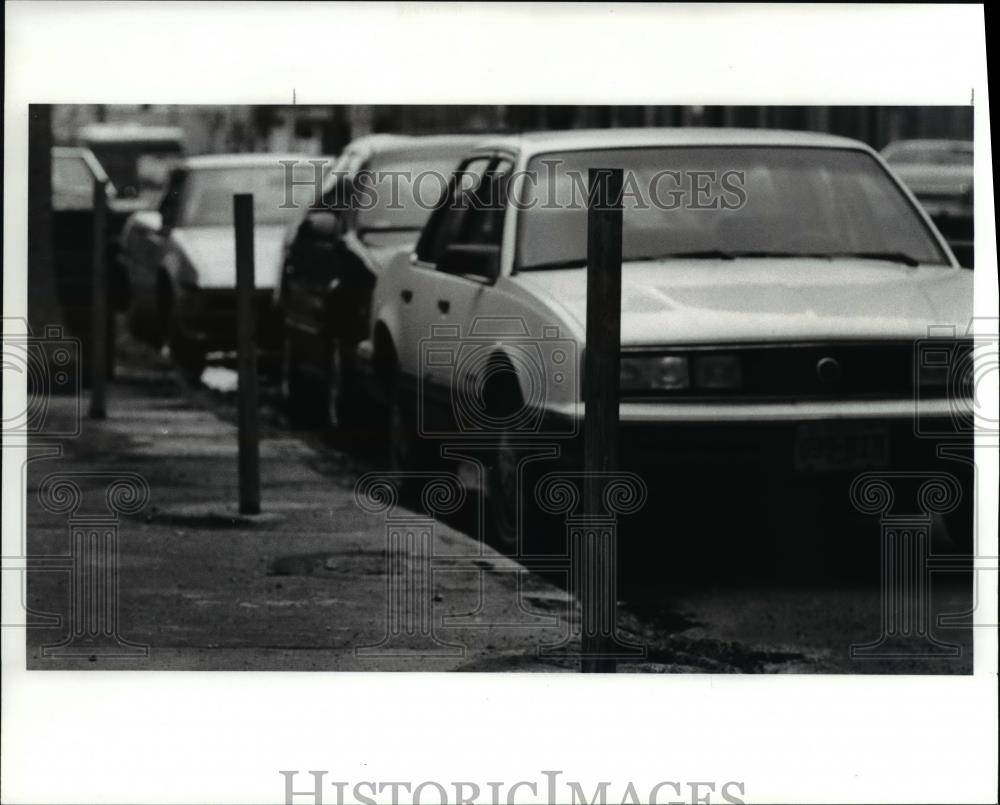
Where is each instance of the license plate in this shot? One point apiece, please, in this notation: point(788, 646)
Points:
point(840, 446)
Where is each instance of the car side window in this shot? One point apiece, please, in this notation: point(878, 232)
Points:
point(332, 200)
point(447, 222)
point(483, 224)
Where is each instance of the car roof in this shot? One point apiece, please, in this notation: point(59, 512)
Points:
point(129, 132)
point(402, 144)
point(917, 143)
point(254, 159)
point(531, 143)
point(70, 151)
point(399, 146)
point(79, 152)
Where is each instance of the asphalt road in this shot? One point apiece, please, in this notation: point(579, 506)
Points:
point(303, 586)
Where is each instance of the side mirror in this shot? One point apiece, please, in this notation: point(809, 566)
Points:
point(474, 259)
point(321, 224)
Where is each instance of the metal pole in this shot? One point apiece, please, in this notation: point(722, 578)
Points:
point(246, 339)
point(99, 304)
point(601, 386)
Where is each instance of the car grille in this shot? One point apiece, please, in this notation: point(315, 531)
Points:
point(222, 301)
point(879, 370)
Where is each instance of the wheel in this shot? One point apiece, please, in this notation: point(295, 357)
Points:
point(960, 526)
point(302, 399)
point(156, 328)
point(402, 441)
point(188, 355)
point(509, 500)
point(344, 410)
point(404, 450)
point(502, 497)
point(144, 328)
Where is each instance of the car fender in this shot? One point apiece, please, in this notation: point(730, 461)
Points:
point(384, 304)
point(546, 322)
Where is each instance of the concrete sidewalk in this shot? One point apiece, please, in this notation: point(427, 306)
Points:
point(302, 586)
point(305, 586)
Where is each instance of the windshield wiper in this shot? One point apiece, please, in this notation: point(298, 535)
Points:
point(893, 257)
point(721, 254)
point(575, 262)
point(889, 257)
point(700, 254)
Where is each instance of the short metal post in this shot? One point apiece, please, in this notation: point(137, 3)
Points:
point(600, 394)
point(99, 304)
point(246, 337)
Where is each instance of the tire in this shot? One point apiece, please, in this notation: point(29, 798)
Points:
point(156, 329)
point(509, 504)
point(403, 450)
point(960, 525)
point(302, 398)
point(502, 498)
point(344, 410)
point(187, 355)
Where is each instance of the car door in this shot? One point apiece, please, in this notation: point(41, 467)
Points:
point(424, 296)
point(309, 269)
point(460, 298)
point(151, 243)
point(454, 302)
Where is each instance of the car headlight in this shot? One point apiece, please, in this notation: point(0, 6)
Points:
point(718, 372)
point(654, 373)
point(708, 372)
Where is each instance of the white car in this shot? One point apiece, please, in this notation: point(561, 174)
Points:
point(773, 294)
point(940, 173)
point(181, 258)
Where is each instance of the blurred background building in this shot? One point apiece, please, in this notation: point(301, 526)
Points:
point(136, 144)
point(326, 129)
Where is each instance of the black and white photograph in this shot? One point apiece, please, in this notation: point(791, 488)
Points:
point(609, 399)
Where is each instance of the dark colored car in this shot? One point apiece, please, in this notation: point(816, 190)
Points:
point(73, 174)
point(137, 160)
point(940, 175)
point(135, 157)
point(181, 259)
point(374, 204)
point(131, 158)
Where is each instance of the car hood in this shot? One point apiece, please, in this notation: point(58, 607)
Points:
point(382, 248)
point(714, 301)
point(211, 251)
point(936, 179)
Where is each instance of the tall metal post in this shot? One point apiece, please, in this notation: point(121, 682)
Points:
point(600, 394)
point(246, 339)
point(99, 304)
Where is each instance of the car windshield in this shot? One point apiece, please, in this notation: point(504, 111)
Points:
point(71, 175)
point(949, 154)
point(398, 192)
point(208, 195)
point(725, 202)
point(137, 169)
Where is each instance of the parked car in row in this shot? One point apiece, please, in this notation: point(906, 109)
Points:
point(119, 155)
point(940, 174)
point(772, 332)
point(137, 158)
point(181, 258)
point(373, 205)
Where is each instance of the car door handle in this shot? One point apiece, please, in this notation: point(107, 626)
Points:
point(444, 305)
point(407, 295)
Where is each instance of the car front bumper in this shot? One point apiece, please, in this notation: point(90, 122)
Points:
point(769, 451)
point(207, 316)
